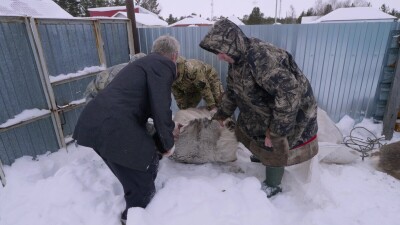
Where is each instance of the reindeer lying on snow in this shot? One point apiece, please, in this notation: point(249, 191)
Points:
point(202, 140)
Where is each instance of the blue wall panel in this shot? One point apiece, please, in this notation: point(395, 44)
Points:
point(32, 139)
point(68, 47)
point(20, 85)
point(116, 45)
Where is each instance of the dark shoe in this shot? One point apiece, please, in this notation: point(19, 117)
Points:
point(254, 158)
point(271, 191)
point(123, 218)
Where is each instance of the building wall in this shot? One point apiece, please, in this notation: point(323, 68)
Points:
point(108, 13)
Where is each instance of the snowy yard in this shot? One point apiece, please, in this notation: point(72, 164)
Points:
point(76, 187)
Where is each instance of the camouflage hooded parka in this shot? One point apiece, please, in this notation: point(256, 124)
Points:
point(271, 92)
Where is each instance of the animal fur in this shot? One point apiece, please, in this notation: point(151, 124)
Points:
point(203, 140)
point(389, 159)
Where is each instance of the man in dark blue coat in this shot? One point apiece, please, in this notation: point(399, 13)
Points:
point(114, 122)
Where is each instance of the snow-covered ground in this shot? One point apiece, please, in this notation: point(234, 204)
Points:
point(75, 187)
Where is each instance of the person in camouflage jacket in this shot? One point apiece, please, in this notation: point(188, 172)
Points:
point(278, 111)
point(105, 77)
point(196, 80)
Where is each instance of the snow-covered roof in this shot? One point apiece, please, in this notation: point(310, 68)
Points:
point(103, 9)
point(309, 19)
point(355, 14)
point(145, 19)
point(235, 20)
point(122, 8)
point(192, 20)
point(34, 8)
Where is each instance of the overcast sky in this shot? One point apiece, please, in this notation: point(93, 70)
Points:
point(240, 8)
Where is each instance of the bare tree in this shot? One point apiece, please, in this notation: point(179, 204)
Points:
point(319, 7)
point(292, 14)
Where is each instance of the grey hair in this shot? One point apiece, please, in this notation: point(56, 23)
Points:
point(166, 45)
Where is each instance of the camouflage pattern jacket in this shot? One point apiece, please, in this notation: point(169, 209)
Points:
point(271, 92)
point(196, 80)
point(102, 80)
point(105, 77)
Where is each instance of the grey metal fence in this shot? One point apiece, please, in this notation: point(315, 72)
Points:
point(344, 63)
point(22, 89)
point(46, 65)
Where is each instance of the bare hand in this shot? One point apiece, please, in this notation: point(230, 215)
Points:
point(177, 131)
point(169, 152)
point(213, 110)
point(267, 141)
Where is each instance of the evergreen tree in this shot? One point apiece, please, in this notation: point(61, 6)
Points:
point(80, 7)
point(170, 20)
point(117, 2)
point(301, 16)
point(310, 12)
point(327, 9)
point(71, 6)
point(85, 4)
point(395, 13)
point(151, 5)
point(256, 17)
point(384, 8)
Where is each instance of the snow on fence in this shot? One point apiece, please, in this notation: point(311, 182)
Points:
point(45, 66)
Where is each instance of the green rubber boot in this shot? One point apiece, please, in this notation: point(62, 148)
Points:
point(271, 184)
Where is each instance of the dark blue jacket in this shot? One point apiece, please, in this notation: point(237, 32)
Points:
point(114, 122)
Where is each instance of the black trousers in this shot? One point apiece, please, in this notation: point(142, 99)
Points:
point(138, 186)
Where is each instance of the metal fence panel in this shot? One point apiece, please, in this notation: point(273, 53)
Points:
point(65, 94)
point(21, 88)
point(116, 43)
point(32, 139)
point(68, 46)
point(20, 85)
point(61, 47)
point(342, 61)
point(73, 45)
point(69, 119)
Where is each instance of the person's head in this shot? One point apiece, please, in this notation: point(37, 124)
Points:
point(167, 46)
point(225, 37)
